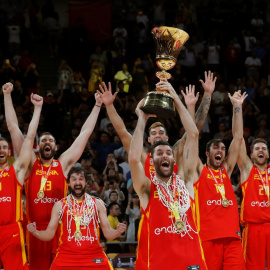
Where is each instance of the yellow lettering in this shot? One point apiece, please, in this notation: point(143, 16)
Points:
point(156, 194)
point(261, 190)
point(48, 185)
point(0, 186)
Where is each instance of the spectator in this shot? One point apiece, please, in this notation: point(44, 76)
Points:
point(123, 76)
point(110, 186)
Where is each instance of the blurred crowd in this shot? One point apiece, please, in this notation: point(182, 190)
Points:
point(232, 39)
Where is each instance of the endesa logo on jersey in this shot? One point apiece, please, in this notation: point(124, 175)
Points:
point(5, 199)
point(46, 200)
point(217, 202)
point(260, 204)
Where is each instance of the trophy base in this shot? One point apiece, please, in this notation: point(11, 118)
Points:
point(160, 104)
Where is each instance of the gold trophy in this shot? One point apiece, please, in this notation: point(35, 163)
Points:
point(168, 42)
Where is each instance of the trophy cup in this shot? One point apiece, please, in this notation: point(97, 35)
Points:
point(168, 42)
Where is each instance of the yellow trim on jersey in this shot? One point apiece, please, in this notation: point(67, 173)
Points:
point(244, 241)
point(244, 187)
point(148, 232)
point(22, 244)
point(197, 208)
point(18, 204)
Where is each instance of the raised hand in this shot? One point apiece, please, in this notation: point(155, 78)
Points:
point(164, 85)
point(189, 96)
point(98, 99)
point(140, 113)
point(106, 94)
point(237, 99)
point(7, 88)
point(121, 227)
point(210, 82)
point(36, 100)
point(32, 227)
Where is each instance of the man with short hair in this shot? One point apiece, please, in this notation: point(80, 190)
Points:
point(80, 216)
point(12, 245)
point(255, 213)
point(216, 206)
point(158, 132)
point(46, 177)
point(165, 200)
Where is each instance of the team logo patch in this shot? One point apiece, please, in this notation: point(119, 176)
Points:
point(268, 170)
point(55, 164)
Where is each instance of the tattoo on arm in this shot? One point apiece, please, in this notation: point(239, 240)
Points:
point(202, 111)
point(187, 154)
point(237, 110)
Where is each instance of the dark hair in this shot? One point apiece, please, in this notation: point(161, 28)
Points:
point(3, 139)
point(77, 170)
point(258, 140)
point(111, 205)
point(45, 133)
point(214, 142)
point(112, 193)
point(161, 142)
point(156, 124)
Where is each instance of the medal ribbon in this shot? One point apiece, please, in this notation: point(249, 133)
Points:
point(266, 183)
point(44, 177)
point(174, 204)
point(79, 216)
point(220, 187)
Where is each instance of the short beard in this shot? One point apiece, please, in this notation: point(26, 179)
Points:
point(72, 191)
point(43, 156)
point(161, 174)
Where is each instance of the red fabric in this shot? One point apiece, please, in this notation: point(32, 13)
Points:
point(79, 253)
point(224, 253)
point(39, 210)
point(213, 220)
point(166, 247)
point(255, 204)
point(256, 245)
point(10, 197)
point(40, 254)
point(12, 247)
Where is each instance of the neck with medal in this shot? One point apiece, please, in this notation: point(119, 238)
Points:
point(221, 188)
point(44, 179)
point(77, 217)
point(265, 183)
point(172, 199)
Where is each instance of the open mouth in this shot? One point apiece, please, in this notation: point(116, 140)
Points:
point(78, 189)
point(165, 164)
point(261, 156)
point(47, 149)
point(218, 158)
point(2, 156)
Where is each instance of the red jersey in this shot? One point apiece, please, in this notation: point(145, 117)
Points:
point(85, 251)
point(166, 245)
point(255, 206)
point(10, 197)
point(213, 220)
point(39, 210)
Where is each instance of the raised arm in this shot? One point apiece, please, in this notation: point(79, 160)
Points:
point(107, 230)
point(108, 99)
point(48, 234)
point(70, 156)
point(11, 118)
point(237, 129)
point(22, 163)
point(140, 182)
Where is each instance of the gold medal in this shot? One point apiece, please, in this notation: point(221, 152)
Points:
point(78, 234)
point(41, 194)
point(179, 225)
point(225, 202)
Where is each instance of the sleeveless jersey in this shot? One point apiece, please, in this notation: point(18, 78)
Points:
point(213, 220)
point(142, 248)
point(10, 197)
point(255, 206)
point(39, 210)
point(86, 251)
point(166, 246)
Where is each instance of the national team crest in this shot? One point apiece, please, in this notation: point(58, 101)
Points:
point(55, 164)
